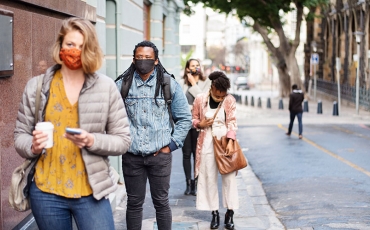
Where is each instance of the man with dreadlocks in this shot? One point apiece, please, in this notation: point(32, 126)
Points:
point(153, 138)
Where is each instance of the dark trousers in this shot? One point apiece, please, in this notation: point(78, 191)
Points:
point(137, 170)
point(292, 116)
point(190, 145)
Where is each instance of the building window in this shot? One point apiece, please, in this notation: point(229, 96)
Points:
point(164, 32)
point(146, 27)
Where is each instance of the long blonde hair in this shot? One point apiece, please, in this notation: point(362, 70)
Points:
point(91, 53)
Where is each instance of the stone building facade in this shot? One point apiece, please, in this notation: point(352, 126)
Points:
point(333, 35)
point(120, 25)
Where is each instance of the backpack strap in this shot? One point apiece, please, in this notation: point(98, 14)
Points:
point(126, 85)
point(168, 97)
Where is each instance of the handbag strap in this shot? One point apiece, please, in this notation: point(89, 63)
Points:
point(40, 79)
point(214, 116)
point(218, 108)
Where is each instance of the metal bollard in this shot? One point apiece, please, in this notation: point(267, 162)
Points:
point(281, 105)
point(246, 100)
point(335, 109)
point(268, 103)
point(305, 106)
point(252, 101)
point(259, 102)
point(319, 107)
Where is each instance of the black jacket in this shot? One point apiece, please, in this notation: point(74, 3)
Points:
point(295, 101)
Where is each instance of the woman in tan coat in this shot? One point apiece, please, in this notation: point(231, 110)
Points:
point(73, 177)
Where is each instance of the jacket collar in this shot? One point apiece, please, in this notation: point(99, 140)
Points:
point(150, 82)
point(90, 79)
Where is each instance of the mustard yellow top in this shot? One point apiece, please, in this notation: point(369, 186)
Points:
point(61, 169)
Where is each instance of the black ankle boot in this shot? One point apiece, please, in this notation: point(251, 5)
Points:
point(188, 187)
point(194, 187)
point(215, 220)
point(229, 222)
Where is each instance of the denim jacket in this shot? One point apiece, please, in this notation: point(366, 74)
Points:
point(150, 125)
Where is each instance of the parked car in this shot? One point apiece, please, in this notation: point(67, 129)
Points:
point(241, 83)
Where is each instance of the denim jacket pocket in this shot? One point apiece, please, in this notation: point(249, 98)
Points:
point(131, 107)
point(159, 108)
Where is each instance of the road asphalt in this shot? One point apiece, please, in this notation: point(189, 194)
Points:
point(255, 211)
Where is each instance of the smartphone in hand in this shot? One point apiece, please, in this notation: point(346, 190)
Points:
point(73, 131)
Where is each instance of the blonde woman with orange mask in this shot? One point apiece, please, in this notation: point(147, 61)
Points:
point(73, 177)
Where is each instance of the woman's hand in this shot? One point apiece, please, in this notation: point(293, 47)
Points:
point(38, 141)
point(82, 140)
point(205, 123)
point(191, 79)
point(229, 147)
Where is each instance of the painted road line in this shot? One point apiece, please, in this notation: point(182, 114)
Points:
point(330, 153)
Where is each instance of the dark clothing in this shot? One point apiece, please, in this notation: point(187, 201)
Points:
point(137, 170)
point(188, 149)
point(292, 116)
point(295, 101)
point(295, 107)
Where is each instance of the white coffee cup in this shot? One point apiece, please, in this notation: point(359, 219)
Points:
point(47, 127)
point(209, 114)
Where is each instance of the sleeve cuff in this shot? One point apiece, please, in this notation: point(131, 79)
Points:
point(231, 134)
point(172, 146)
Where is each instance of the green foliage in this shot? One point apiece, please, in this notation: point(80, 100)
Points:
point(265, 12)
point(185, 58)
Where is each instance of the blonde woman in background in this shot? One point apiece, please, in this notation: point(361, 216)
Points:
point(73, 178)
point(192, 84)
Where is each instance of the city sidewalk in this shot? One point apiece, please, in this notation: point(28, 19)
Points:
point(254, 212)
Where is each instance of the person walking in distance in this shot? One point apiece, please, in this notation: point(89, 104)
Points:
point(224, 124)
point(295, 108)
point(192, 84)
point(73, 178)
point(150, 154)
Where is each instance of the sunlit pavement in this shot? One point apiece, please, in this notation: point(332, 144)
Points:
point(255, 211)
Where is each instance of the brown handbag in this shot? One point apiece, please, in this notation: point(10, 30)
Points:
point(228, 162)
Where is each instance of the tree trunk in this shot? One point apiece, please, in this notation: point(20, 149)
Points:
point(295, 75)
point(284, 80)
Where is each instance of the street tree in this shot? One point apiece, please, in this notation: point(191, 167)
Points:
point(268, 19)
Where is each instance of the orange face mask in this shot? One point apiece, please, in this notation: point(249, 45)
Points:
point(71, 58)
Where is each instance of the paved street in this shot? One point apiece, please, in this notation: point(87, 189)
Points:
point(320, 182)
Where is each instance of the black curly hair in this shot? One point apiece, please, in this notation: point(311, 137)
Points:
point(129, 73)
point(220, 81)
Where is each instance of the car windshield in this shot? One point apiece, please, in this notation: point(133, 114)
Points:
point(241, 80)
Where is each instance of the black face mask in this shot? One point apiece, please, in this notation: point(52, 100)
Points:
point(144, 66)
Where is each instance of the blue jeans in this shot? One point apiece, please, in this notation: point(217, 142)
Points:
point(292, 116)
point(54, 212)
point(137, 170)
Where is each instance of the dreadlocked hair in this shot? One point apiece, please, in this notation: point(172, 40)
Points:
point(220, 81)
point(128, 75)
